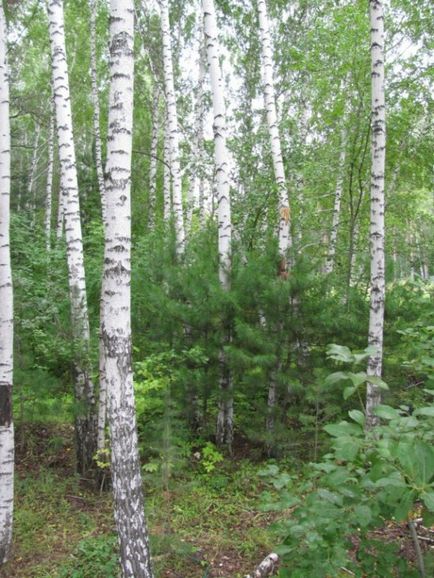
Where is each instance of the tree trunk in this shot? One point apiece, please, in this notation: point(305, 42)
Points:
point(96, 112)
point(6, 310)
point(173, 130)
point(33, 166)
point(116, 329)
point(85, 421)
point(225, 417)
point(378, 153)
point(154, 154)
point(330, 264)
point(49, 190)
point(285, 239)
point(167, 174)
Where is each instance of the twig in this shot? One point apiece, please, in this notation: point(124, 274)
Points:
point(419, 555)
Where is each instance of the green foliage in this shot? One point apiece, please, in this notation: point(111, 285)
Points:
point(94, 557)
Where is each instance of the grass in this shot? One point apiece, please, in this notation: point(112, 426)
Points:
point(204, 525)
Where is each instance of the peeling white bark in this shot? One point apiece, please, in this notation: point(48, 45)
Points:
point(116, 329)
point(6, 310)
point(285, 239)
point(173, 129)
point(86, 421)
point(378, 154)
point(266, 568)
point(225, 416)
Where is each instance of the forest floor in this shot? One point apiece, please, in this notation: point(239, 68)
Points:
point(205, 525)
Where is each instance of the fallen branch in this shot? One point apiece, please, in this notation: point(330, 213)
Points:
point(266, 567)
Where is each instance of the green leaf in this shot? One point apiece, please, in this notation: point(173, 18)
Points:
point(428, 499)
point(349, 391)
point(357, 416)
point(363, 515)
point(386, 412)
point(343, 429)
point(340, 353)
point(427, 411)
point(336, 377)
point(378, 382)
point(417, 460)
point(405, 504)
point(358, 378)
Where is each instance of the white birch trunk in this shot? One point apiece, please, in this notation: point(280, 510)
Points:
point(225, 417)
point(378, 154)
point(154, 153)
point(85, 421)
point(59, 223)
point(173, 128)
point(167, 175)
point(285, 239)
point(198, 179)
point(96, 112)
point(49, 189)
point(33, 166)
point(6, 310)
point(116, 330)
point(330, 264)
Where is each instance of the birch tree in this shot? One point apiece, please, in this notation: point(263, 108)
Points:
point(96, 111)
point(285, 239)
point(49, 188)
point(330, 264)
point(154, 153)
point(167, 174)
point(378, 156)
point(173, 129)
point(85, 422)
point(225, 415)
point(6, 310)
point(116, 329)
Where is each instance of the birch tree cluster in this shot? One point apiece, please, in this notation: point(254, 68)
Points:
point(197, 198)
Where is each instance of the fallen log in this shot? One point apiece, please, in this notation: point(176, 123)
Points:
point(266, 567)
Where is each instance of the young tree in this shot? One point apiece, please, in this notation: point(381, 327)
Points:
point(6, 310)
point(116, 329)
point(173, 129)
point(226, 412)
point(378, 157)
point(85, 422)
point(285, 239)
point(154, 154)
point(49, 189)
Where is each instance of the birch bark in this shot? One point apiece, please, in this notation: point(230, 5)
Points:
point(116, 330)
point(173, 129)
point(378, 153)
point(285, 239)
point(96, 111)
point(330, 264)
point(33, 166)
point(167, 174)
point(49, 189)
point(84, 392)
point(154, 154)
point(225, 417)
point(6, 310)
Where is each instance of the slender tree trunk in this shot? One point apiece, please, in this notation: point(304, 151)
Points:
point(285, 239)
point(6, 310)
point(173, 129)
point(154, 154)
point(102, 396)
point(330, 264)
point(378, 153)
point(84, 392)
point(60, 216)
point(116, 330)
point(96, 111)
point(167, 174)
point(49, 190)
point(33, 166)
point(225, 426)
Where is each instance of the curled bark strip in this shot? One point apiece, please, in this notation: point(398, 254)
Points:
point(266, 568)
